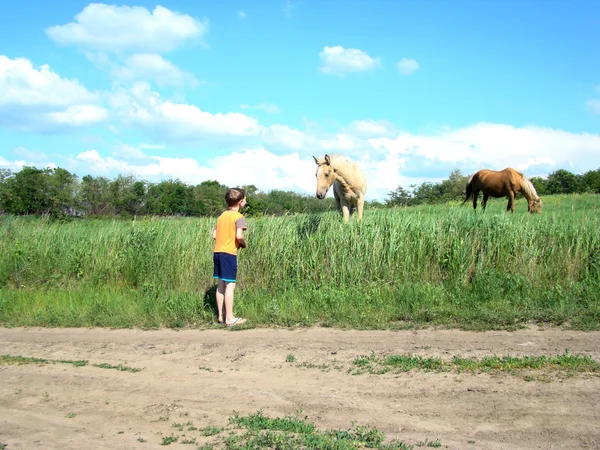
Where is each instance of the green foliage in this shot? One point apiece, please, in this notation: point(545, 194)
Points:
point(563, 182)
point(399, 267)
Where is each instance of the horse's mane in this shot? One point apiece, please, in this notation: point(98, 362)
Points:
point(340, 159)
point(528, 188)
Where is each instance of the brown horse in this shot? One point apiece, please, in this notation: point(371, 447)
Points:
point(349, 183)
point(503, 183)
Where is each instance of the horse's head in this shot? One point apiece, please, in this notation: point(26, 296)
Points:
point(325, 176)
point(535, 206)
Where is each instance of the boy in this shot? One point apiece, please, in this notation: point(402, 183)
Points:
point(229, 237)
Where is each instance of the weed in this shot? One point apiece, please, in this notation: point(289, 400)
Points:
point(168, 440)
point(210, 431)
point(120, 367)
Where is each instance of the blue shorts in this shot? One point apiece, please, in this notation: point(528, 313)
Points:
point(225, 267)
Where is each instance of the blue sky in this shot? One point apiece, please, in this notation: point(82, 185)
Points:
point(246, 92)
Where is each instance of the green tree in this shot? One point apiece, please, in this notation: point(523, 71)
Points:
point(562, 182)
point(63, 187)
point(399, 197)
point(29, 191)
point(6, 178)
point(453, 188)
point(95, 196)
point(590, 181)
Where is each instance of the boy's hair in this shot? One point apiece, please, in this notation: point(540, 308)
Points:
point(234, 196)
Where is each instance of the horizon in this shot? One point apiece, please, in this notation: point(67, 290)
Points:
point(246, 94)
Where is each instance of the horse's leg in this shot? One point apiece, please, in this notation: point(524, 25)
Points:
point(484, 200)
point(346, 212)
point(475, 197)
point(337, 200)
point(361, 205)
point(511, 202)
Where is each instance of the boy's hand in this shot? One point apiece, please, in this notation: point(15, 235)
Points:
point(242, 243)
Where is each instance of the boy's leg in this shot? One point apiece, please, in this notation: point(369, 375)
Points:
point(220, 294)
point(229, 274)
point(228, 290)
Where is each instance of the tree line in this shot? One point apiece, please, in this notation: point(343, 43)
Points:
point(60, 194)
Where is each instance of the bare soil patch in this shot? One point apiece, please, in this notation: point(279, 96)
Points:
point(202, 377)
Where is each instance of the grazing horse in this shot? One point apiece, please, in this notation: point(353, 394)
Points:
point(349, 183)
point(503, 183)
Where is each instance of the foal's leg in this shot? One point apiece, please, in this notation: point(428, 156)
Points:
point(346, 212)
point(360, 206)
point(337, 200)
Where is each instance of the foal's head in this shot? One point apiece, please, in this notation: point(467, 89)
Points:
point(325, 176)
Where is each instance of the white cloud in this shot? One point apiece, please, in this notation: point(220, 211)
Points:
point(371, 128)
point(266, 107)
point(128, 152)
point(407, 66)
point(27, 158)
point(284, 136)
point(289, 7)
point(497, 146)
point(152, 66)
point(252, 166)
point(594, 106)
point(31, 155)
point(111, 28)
point(405, 160)
point(40, 100)
point(242, 14)
point(340, 142)
point(172, 121)
point(338, 60)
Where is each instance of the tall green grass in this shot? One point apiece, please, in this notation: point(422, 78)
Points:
point(430, 265)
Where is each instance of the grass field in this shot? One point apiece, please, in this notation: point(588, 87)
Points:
point(406, 267)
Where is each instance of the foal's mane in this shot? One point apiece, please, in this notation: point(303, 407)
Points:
point(340, 160)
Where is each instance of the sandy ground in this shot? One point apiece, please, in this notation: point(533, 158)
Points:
point(204, 376)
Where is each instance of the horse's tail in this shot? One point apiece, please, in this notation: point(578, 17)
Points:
point(469, 191)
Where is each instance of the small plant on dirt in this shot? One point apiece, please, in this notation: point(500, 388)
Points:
point(566, 363)
point(70, 415)
point(208, 369)
point(168, 440)
point(120, 367)
point(186, 440)
point(141, 439)
point(210, 431)
point(295, 432)
point(290, 358)
point(428, 443)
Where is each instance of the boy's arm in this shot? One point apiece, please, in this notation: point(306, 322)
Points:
point(239, 234)
point(214, 234)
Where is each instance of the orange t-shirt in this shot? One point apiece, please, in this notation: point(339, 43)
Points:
point(227, 225)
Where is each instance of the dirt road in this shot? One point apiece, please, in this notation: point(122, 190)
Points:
point(202, 377)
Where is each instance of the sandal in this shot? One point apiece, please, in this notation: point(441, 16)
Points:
point(237, 321)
